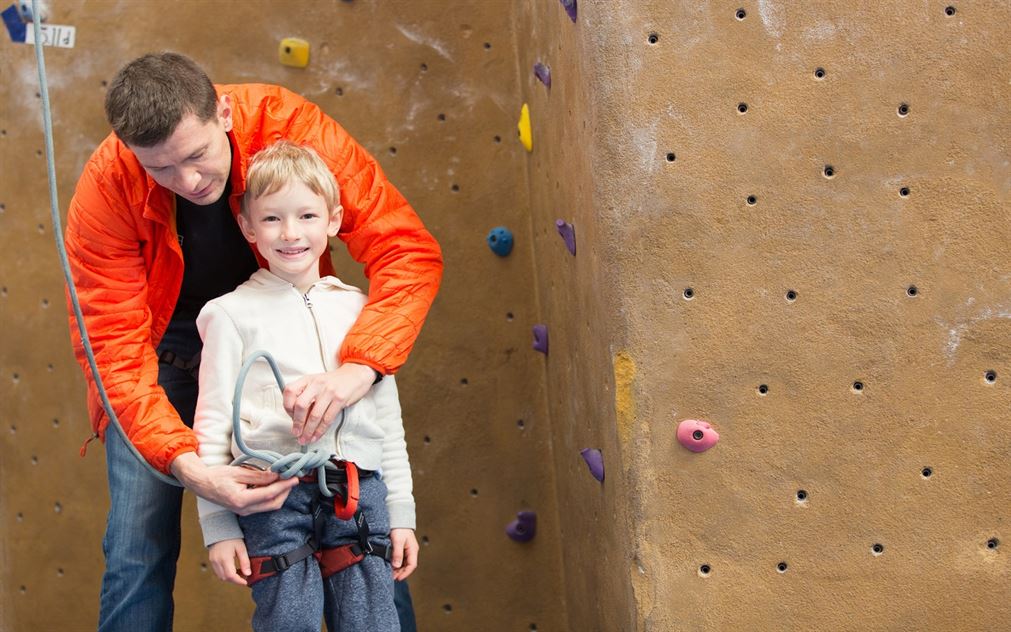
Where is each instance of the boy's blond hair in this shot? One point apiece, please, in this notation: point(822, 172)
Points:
point(284, 162)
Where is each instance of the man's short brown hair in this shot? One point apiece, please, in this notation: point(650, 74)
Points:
point(149, 96)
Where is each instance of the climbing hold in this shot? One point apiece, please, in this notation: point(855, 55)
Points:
point(543, 73)
point(541, 338)
point(524, 527)
point(293, 52)
point(568, 234)
point(570, 8)
point(500, 240)
point(595, 461)
point(526, 135)
point(697, 436)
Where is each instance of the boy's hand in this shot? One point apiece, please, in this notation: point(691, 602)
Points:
point(314, 401)
point(405, 553)
point(225, 556)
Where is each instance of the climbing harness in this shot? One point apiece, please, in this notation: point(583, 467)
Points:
point(191, 366)
point(343, 485)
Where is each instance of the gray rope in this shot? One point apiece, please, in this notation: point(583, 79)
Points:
point(54, 212)
point(288, 465)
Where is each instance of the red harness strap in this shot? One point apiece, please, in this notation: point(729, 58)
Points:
point(332, 560)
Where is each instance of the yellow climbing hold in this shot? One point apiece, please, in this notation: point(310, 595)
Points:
point(526, 136)
point(293, 52)
point(624, 401)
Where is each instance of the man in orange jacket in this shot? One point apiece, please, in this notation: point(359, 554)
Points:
point(152, 236)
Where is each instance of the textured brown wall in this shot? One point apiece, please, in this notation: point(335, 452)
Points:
point(472, 392)
point(850, 246)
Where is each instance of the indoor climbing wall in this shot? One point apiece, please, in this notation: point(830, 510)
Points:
point(432, 93)
point(791, 223)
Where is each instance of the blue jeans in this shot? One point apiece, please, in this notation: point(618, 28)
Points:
point(142, 533)
point(141, 542)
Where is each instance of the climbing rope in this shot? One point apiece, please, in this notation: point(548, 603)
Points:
point(294, 464)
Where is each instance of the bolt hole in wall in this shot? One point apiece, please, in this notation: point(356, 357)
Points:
point(858, 386)
point(763, 389)
point(653, 38)
point(801, 495)
point(671, 157)
point(992, 543)
point(877, 549)
point(705, 570)
point(781, 567)
point(949, 11)
point(520, 424)
point(927, 472)
point(912, 291)
point(741, 14)
point(688, 294)
point(990, 377)
point(828, 171)
point(819, 73)
point(904, 192)
point(742, 107)
point(903, 110)
point(791, 295)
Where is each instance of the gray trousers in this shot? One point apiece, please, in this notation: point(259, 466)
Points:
point(357, 599)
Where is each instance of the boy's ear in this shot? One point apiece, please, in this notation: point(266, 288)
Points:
point(247, 228)
point(336, 217)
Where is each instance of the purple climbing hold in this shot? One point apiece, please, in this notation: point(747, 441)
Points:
point(543, 73)
point(570, 8)
point(524, 527)
point(541, 338)
point(595, 460)
point(568, 234)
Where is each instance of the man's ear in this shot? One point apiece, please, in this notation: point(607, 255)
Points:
point(336, 217)
point(247, 228)
point(225, 111)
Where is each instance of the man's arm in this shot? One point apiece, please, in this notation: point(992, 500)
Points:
point(109, 273)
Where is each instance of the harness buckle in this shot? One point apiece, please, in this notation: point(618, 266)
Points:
point(281, 563)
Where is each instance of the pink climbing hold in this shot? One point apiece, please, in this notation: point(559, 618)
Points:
point(568, 233)
point(524, 527)
point(595, 461)
point(543, 73)
point(696, 435)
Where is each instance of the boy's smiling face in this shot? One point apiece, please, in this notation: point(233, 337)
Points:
point(290, 228)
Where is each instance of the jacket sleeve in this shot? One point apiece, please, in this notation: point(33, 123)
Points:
point(220, 361)
point(108, 269)
point(395, 463)
point(402, 260)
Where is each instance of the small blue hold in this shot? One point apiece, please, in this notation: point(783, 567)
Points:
point(500, 240)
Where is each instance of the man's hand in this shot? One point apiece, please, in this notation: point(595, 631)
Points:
point(314, 401)
point(240, 490)
point(405, 553)
point(226, 556)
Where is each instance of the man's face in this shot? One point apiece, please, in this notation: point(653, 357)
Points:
point(196, 160)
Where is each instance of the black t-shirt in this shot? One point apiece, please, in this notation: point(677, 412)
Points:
point(217, 257)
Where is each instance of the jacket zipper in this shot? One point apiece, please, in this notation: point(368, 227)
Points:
point(322, 357)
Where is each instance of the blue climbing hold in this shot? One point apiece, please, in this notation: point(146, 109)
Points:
point(500, 240)
point(568, 233)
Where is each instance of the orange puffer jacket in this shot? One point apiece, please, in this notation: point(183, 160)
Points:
point(128, 267)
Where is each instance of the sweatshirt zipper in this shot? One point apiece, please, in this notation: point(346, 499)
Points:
point(322, 357)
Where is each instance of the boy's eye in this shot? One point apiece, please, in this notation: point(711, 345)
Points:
point(309, 216)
